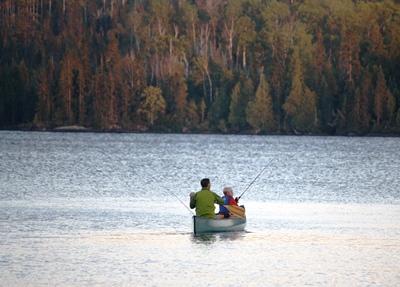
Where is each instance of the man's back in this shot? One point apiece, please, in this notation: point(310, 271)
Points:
point(204, 203)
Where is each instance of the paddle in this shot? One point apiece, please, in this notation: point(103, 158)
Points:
point(235, 210)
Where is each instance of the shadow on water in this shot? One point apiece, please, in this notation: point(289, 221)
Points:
point(210, 238)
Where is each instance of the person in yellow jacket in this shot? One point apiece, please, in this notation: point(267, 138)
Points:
point(204, 200)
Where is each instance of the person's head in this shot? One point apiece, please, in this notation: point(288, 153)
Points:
point(205, 182)
point(228, 191)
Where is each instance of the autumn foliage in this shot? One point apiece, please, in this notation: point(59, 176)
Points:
point(254, 66)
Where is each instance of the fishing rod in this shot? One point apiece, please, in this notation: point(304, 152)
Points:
point(256, 178)
point(180, 201)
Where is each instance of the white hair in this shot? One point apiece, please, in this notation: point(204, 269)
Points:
point(227, 189)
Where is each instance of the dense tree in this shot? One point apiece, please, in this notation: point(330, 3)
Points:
point(84, 80)
point(241, 94)
point(234, 110)
point(245, 37)
point(44, 103)
point(361, 116)
point(175, 94)
point(277, 33)
point(259, 109)
point(300, 105)
point(232, 13)
point(192, 115)
point(134, 77)
point(65, 110)
point(327, 66)
point(384, 104)
point(153, 104)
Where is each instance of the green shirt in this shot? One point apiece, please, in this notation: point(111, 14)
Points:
point(204, 201)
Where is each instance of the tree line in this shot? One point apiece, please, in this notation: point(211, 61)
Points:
point(265, 67)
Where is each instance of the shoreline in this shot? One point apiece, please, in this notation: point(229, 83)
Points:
point(141, 129)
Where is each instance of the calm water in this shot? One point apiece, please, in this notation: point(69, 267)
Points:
point(87, 209)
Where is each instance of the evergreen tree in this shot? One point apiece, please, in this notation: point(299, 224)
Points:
point(65, 109)
point(134, 77)
point(300, 105)
point(397, 122)
point(192, 115)
point(259, 110)
point(384, 104)
point(234, 117)
point(44, 103)
point(88, 63)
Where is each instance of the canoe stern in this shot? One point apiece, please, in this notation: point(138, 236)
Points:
point(207, 225)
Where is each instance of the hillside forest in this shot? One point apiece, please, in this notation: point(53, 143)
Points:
point(232, 66)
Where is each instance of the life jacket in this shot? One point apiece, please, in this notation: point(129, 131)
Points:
point(223, 209)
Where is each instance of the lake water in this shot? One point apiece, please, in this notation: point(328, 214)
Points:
point(98, 209)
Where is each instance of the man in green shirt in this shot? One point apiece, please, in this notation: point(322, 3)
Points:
point(204, 200)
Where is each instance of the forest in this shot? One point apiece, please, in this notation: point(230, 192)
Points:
point(225, 66)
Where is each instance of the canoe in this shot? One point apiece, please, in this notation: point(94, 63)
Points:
point(218, 224)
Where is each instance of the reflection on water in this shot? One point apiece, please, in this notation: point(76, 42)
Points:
point(99, 210)
point(217, 237)
point(204, 238)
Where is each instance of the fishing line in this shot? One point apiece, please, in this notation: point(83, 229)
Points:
point(256, 177)
point(180, 201)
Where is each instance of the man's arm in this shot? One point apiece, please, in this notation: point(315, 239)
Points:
point(192, 200)
point(219, 199)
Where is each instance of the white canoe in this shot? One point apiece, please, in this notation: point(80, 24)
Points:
point(219, 224)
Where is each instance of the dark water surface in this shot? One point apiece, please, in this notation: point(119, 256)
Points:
point(90, 209)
